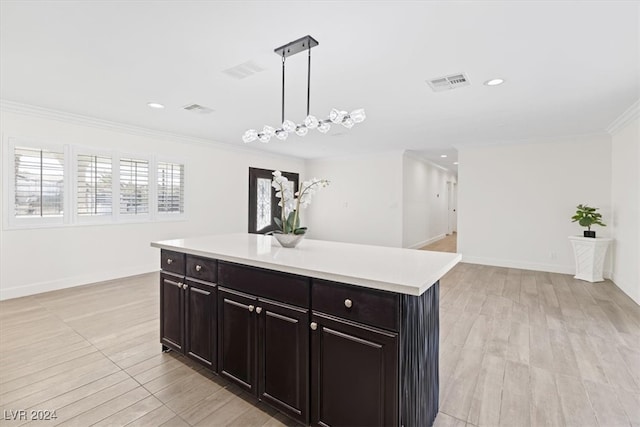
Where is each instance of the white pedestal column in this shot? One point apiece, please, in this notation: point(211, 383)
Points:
point(589, 254)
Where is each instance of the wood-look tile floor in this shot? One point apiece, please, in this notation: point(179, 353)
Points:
point(518, 348)
point(447, 244)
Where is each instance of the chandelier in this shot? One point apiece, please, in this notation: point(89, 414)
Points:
point(287, 127)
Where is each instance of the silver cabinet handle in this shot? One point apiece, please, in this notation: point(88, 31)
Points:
point(184, 286)
point(258, 310)
point(179, 284)
point(198, 267)
point(169, 260)
point(348, 303)
point(251, 308)
point(313, 326)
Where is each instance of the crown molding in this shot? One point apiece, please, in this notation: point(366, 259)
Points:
point(630, 114)
point(78, 119)
point(522, 141)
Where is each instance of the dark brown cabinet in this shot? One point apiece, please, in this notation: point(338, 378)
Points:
point(354, 355)
point(171, 312)
point(283, 358)
point(324, 353)
point(200, 322)
point(354, 374)
point(187, 310)
point(264, 347)
point(237, 337)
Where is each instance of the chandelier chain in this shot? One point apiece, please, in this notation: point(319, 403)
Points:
point(283, 61)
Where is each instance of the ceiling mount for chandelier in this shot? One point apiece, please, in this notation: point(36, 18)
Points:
point(310, 122)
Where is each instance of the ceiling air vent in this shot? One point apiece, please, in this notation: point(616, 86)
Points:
point(243, 70)
point(197, 108)
point(448, 82)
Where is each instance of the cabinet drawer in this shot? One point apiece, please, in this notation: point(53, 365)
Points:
point(371, 307)
point(172, 261)
point(202, 268)
point(283, 287)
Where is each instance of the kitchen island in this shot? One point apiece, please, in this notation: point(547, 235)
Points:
point(328, 333)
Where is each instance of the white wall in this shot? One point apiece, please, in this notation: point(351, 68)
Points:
point(626, 208)
point(216, 181)
point(515, 201)
point(363, 204)
point(425, 204)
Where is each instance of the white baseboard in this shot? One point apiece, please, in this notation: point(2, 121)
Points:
point(627, 288)
point(427, 242)
point(69, 282)
point(523, 265)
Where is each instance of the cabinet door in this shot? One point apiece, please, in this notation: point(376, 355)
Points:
point(237, 337)
point(283, 358)
point(354, 374)
point(200, 323)
point(172, 311)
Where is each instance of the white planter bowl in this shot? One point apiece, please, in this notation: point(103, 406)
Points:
point(288, 240)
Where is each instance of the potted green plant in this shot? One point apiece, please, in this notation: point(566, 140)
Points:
point(587, 216)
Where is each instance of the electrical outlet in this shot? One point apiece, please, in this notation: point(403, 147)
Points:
point(553, 255)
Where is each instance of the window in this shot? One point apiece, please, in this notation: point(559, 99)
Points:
point(38, 183)
point(47, 185)
point(263, 203)
point(134, 186)
point(170, 188)
point(94, 195)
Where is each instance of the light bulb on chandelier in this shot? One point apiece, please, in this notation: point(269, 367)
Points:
point(348, 120)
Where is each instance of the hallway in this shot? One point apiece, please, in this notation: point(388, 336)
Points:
point(448, 244)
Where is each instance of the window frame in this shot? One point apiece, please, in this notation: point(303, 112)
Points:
point(142, 217)
point(115, 186)
point(254, 174)
point(169, 216)
point(70, 216)
point(36, 221)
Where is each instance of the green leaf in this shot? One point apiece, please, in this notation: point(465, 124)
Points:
point(587, 216)
point(289, 225)
point(301, 230)
point(278, 222)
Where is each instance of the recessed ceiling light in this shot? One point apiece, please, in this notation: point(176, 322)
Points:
point(154, 105)
point(455, 163)
point(494, 82)
point(443, 155)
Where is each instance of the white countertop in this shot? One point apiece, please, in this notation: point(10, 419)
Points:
point(407, 271)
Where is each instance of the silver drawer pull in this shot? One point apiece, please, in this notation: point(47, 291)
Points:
point(313, 326)
point(184, 286)
point(169, 260)
point(258, 310)
point(251, 308)
point(179, 284)
point(348, 303)
point(198, 267)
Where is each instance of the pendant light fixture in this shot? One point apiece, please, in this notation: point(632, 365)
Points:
point(287, 127)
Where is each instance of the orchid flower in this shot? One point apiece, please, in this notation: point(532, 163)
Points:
point(291, 202)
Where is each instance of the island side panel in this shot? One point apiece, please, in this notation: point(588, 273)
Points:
point(419, 358)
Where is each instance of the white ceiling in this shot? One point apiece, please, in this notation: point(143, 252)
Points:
point(570, 67)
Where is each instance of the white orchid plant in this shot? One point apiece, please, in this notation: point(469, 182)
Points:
point(291, 203)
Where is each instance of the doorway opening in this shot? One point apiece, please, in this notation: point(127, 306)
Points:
point(450, 242)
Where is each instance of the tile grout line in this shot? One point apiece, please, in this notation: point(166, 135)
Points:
point(120, 369)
